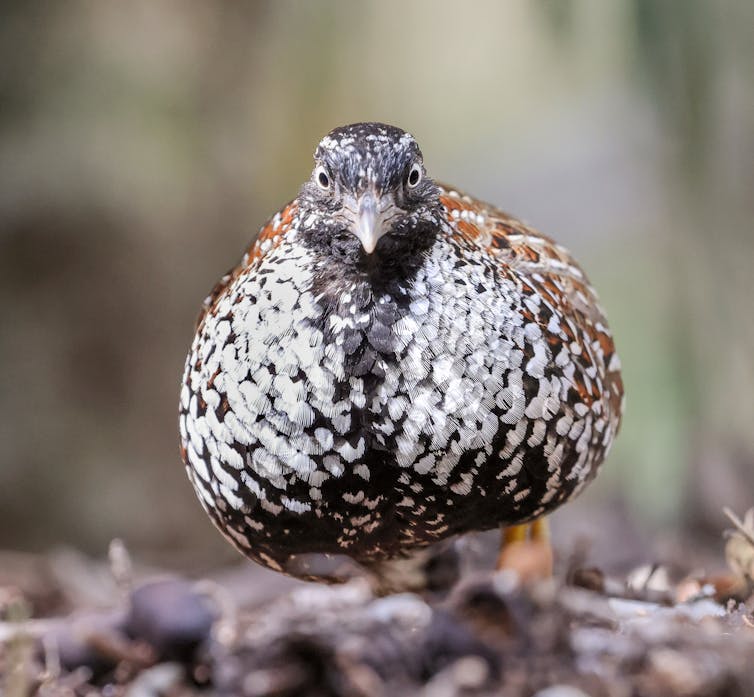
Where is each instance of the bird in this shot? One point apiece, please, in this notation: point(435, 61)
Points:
point(393, 363)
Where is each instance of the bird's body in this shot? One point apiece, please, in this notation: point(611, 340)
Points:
point(457, 376)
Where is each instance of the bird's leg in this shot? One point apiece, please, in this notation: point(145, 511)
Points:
point(526, 549)
point(540, 530)
point(514, 533)
point(512, 537)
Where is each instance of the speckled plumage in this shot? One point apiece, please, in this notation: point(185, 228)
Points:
point(459, 377)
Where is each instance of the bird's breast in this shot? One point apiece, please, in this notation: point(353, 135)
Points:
point(314, 385)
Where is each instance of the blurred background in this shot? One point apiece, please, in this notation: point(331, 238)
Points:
point(142, 144)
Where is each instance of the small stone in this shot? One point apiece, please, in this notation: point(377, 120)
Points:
point(155, 682)
point(590, 578)
point(470, 672)
point(561, 691)
point(74, 639)
point(171, 616)
point(676, 672)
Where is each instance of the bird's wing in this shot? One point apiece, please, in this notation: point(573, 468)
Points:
point(546, 269)
point(269, 235)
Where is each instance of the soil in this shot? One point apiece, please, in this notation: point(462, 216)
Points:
point(74, 627)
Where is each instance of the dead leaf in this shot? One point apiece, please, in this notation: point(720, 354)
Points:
point(739, 549)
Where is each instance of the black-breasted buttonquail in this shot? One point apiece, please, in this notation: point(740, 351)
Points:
point(393, 363)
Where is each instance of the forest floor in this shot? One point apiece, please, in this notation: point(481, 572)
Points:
point(72, 626)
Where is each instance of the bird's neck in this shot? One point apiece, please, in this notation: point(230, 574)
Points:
point(389, 271)
point(361, 284)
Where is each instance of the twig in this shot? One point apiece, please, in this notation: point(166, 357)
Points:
point(741, 527)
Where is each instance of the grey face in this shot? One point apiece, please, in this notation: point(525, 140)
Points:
point(370, 179)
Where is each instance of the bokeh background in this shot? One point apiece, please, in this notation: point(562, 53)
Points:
point(142, 144)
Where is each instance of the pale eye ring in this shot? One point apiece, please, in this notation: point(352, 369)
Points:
point(322, 177)
point(414, 176)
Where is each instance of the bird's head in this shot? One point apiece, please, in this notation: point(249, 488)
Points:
point(369, 195)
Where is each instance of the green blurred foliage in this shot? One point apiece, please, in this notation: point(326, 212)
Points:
point(143, 143)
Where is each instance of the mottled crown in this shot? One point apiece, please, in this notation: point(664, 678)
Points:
point(368, 153)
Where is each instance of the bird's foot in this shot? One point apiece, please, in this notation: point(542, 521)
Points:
point(526, 549)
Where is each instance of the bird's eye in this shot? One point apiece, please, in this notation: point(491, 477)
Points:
point(414, 176)
point(322, 178)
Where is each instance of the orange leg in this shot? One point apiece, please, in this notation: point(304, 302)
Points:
point(526, 549)
point(540, 530)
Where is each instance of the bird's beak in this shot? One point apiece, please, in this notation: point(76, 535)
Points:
point(369, 223)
